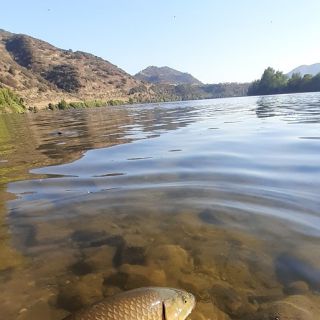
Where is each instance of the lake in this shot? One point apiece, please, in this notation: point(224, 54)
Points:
point(219, 197)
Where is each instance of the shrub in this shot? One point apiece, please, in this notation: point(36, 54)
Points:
point(62, 105)
point(9, 81)
point(19, 46)
point(114, 102)
point(12, 71)
point(10, 102)
point(65, 77)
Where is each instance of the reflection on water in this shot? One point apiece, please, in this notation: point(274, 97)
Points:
point(219, 197)
point(288, 107)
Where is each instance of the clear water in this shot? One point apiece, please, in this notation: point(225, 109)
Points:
point(219, 197)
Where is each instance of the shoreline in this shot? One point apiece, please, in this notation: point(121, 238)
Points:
point(16, 105)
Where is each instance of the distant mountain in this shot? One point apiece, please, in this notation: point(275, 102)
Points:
point(312, 69)
point(166, 75)
point(41, 73)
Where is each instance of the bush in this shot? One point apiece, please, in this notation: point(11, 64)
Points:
point(9, 81)
point(62, 105)
point(20, 47)
point(77, 105)
point(12, 71)
point(114, 102)
point(65, 77)
point(10, 102)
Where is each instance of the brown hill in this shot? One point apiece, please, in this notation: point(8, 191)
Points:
point(166, 75)
point(42, 73)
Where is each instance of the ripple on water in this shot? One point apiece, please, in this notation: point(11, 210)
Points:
point(112, 204)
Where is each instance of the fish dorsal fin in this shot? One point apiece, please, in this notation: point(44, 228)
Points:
point(164, 317)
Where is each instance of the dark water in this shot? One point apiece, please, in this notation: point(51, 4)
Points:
point(219, 197)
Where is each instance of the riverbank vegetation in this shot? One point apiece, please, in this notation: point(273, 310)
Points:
point(63, 105)
point(271, 82)
point(275, 82)
point(10, 102)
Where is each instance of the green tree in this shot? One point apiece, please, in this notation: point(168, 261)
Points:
point(315, 83)
point(294, 83)
point(272, 81)
point(306, 83)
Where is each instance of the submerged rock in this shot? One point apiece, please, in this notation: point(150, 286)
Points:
point(156, 277)
point(137, 239)
point(230, 301)
point(89, 238)
point(171, 258)
point(300, 266)
point(109, 291)
point(205, 311)
point(197, 283)
point(81, 268)
point(297, 287)
point(129, 255)
point(101, 258)
point(292, 308)
point(134, 276)
point(81, 292)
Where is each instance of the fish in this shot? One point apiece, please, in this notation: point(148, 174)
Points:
point(149, 303)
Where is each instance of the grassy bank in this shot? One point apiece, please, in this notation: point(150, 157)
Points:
point(11, 102)
point(63, 105)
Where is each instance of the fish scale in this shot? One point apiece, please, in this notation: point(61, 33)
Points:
point(137, 304)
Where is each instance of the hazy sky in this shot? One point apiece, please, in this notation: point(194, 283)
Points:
point(216, 41)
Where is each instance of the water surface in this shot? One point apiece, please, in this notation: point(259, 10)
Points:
point(219, 197)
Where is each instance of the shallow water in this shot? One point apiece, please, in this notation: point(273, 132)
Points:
point(219, 197)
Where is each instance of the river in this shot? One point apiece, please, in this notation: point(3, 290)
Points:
point(219, 197)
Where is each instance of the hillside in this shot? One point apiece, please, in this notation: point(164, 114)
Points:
point(170, 84)
point(166, 75)
point(34, 73)
point(41, 73)
point(312, 69)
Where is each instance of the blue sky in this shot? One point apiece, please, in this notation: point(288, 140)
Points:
point(216, 41)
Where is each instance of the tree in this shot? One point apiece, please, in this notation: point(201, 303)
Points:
point(273, 82)
point(294, 83)
point(306, 83)
point(315, 83)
